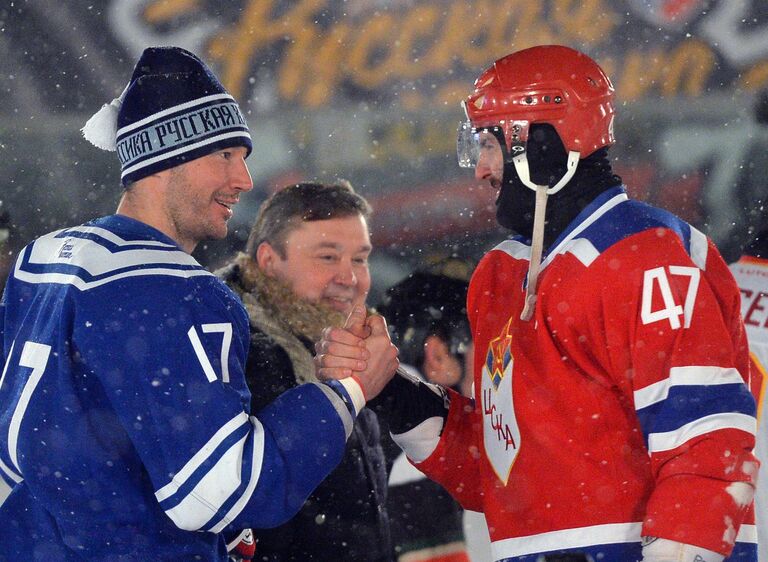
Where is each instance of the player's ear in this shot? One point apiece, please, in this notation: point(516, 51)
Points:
point(266, 256)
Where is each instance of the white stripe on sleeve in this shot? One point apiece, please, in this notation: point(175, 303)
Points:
point(256, 464)
point(201, 456)
point(220, 482)
point(205, 499)
point(355, 392)
point(685, 376)
point(699, 248)
point(658, 442)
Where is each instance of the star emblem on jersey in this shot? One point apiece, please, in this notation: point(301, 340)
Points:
point(501, 434)
point(499, 356)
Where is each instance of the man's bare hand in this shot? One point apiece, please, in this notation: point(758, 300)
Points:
point(357, 320)
point(362, 347)
point(383, 362)
point(341, 351)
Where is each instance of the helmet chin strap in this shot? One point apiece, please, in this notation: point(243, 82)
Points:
point(537, 242)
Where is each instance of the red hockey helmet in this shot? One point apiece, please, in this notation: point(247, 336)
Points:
point(544, 84)
point(548, 84)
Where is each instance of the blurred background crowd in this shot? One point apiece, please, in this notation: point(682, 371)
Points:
point(368, 90)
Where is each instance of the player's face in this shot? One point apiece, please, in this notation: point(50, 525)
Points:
point(490, 160)
point(202, 193)
point(326, 261)
point(444, 368)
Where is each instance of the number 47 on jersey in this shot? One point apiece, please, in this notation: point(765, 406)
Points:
point(658, 291)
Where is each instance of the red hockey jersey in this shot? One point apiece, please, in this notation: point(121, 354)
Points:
point(621, 409)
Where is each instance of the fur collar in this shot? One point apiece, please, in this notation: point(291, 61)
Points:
point(274, 309)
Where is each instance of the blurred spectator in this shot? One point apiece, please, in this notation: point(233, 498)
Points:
point(751, 273)
point(427, 318)
point(304, 267)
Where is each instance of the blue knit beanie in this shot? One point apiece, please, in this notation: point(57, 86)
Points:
point(173, 110)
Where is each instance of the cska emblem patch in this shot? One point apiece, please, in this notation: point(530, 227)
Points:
point(499, 356)
point(501, 434)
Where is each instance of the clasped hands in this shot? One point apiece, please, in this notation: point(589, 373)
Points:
point(361, 349)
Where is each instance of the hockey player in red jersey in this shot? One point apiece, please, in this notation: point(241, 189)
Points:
point(611, 417)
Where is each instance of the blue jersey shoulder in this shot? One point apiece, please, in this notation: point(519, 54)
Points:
point(103, 251)
point(613, 217)
point(633, 217)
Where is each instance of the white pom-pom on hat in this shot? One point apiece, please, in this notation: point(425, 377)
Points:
point(101, 129)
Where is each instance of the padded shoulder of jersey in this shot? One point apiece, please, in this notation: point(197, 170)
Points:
point(612, 217)
point(103, 251)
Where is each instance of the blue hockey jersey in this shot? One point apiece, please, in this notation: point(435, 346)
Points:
point(125, 429)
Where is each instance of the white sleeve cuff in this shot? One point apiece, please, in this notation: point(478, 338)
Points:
point(421, 441)
point(355, 393)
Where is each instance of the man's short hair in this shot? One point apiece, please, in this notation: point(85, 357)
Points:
point(286, 209)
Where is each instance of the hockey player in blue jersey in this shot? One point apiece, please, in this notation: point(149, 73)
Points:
point(125, 430)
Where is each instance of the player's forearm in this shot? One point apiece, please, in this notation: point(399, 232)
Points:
point(258, 471)
point(305, 437)
point(437, 429)
point(455, 461)
point(407, 402)
point(703, 466)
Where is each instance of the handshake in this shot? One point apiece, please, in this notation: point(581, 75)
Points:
point(362, 349)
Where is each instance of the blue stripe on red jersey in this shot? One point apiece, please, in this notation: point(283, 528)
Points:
point(622, 221)
point(686, 404)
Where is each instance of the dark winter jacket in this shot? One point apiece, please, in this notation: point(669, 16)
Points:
point(425, 521)
point(345, 518)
